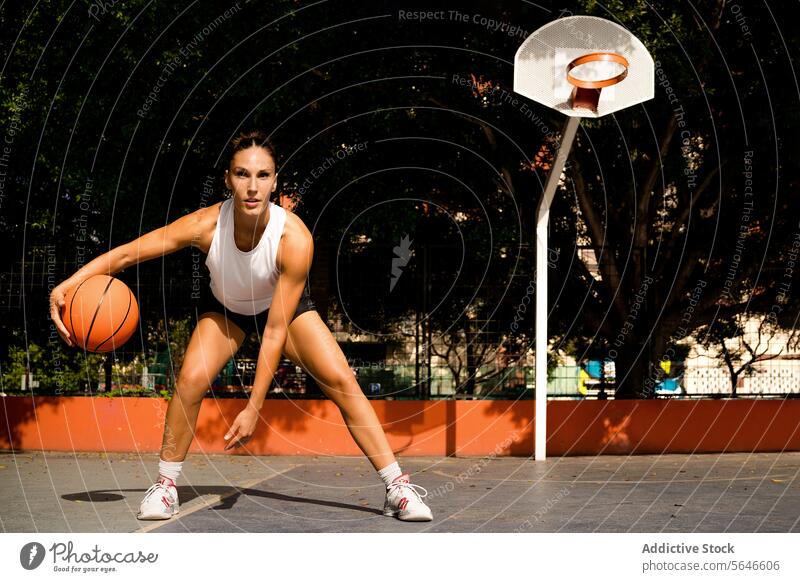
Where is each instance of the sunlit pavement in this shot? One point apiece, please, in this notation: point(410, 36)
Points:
point(95, 492)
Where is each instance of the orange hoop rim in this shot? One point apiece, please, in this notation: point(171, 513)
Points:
point(593, 57)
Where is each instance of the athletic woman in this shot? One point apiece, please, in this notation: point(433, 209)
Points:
point(258, 257)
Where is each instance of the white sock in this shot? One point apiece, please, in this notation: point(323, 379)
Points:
point(170, 470)
point(390, 473)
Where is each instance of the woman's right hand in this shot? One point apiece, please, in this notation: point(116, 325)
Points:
point(57, 301)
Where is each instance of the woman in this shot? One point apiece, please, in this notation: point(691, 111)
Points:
point(258, 256)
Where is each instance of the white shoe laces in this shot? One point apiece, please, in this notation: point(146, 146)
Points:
point(155, 487)
point(414, 488)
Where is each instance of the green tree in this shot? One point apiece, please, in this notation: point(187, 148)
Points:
point(688, 201)
point(434, 148)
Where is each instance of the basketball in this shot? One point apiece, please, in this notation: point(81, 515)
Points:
point(101, 313)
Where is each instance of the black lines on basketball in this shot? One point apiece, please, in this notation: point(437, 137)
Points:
point(106, 310)
point(122, 323)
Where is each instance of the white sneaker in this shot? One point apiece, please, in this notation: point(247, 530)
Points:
point(403, 501)
point(160, 501)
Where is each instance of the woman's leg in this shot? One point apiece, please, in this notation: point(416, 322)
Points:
point(311, 345)
point(212, 344)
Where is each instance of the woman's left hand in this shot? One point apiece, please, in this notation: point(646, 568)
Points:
point(242, 428)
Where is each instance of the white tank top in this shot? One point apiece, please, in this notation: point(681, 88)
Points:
point(244, 281)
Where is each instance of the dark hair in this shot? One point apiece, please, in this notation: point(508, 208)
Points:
point(256, 137)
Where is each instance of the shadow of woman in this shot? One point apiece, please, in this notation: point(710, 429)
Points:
point(228, 501)
point(228, 497)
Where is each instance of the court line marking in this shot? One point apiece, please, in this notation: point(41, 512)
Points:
point(206, 501)
point(717, 479)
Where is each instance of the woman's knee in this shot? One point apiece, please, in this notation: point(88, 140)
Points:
point(341, 383)
point(191, 388)
point(345, 392)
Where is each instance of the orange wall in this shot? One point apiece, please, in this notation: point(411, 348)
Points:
point(483, 427)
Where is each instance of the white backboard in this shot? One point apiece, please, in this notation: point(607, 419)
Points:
point(540, 65)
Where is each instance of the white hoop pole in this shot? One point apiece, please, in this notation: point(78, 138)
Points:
point(542, 222)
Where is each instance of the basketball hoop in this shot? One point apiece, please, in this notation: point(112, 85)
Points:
point(565, 65)
point(586, 94)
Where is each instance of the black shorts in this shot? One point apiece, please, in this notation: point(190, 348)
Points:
point(248, 323)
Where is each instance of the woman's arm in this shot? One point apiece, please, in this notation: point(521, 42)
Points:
point(294, 262)
point(157, 243)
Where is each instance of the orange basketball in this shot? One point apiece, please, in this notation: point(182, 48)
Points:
point(100, 313)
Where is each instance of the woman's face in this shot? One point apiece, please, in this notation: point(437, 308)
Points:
point(252, 178)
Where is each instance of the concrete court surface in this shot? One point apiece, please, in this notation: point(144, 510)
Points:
point(99, 492)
